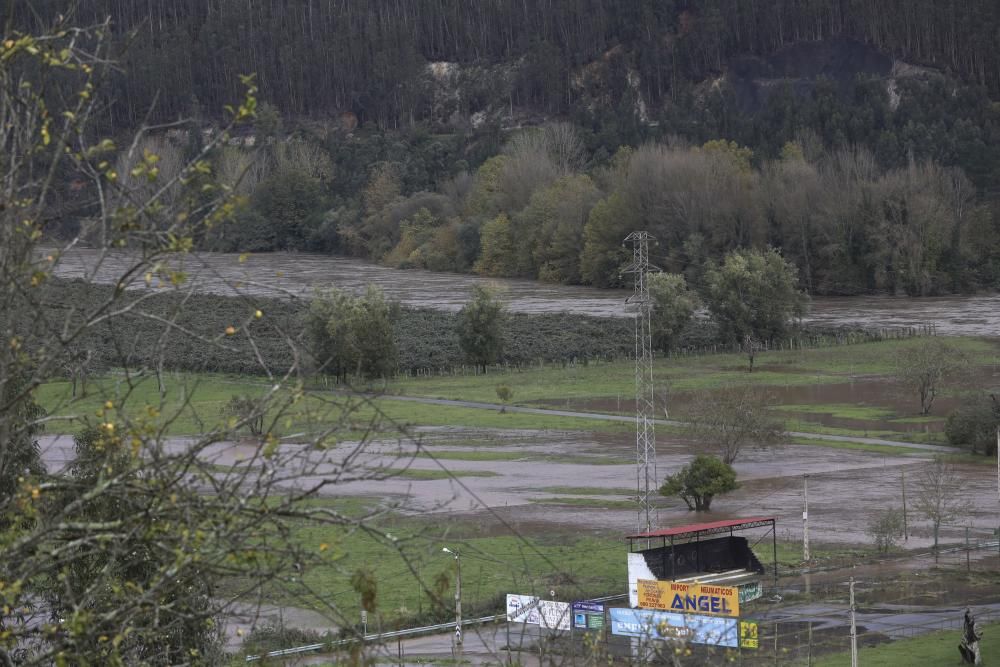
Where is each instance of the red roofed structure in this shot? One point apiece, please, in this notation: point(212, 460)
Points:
point(710, 528)
point(683, 553)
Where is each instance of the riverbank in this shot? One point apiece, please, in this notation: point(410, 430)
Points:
point(298, 274)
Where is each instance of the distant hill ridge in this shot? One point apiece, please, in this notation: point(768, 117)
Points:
point(369, 58)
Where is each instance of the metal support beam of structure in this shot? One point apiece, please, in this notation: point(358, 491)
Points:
point(645, 435)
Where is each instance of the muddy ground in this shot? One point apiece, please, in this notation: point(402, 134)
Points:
point(897, 404)
point(846, 487)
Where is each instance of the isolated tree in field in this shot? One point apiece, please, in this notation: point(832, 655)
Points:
point(505, 394)
point(700, 481)
point(937, 495)
point(245, 409)
point(928, 365)
point(753, 296)
point(728, 419)
point(673, 306)
point(885, 529)
point(480, 327)
point(353, 334)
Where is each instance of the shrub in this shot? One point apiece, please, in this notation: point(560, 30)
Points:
point(245, 409)
point(885, 529)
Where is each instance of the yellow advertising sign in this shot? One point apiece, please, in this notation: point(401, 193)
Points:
point(748, 635)
point(689, 598)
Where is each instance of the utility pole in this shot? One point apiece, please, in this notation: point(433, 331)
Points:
point(854, 631)
point(805, 518)
point(645, 410)
point(906, 531)
point(968, 564)
point(458, 603)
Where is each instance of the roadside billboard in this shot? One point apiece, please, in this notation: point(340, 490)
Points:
point(674, 596)
point(690, 628)
point(749, 634)
point(522, 609)
point(545, 613)
point(554, 615)
point(588, 615)
point(750, 591)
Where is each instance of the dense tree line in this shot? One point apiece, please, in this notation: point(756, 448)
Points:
point(319, 57)
point(540, 209)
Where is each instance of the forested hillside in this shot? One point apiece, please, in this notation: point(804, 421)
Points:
point(320, 57)
point(526, 139)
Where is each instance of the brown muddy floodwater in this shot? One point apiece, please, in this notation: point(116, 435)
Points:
point(283, 273)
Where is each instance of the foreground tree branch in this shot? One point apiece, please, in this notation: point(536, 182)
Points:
point(134, 551)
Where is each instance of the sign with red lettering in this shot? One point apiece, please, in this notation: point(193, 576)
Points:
point(689, 598)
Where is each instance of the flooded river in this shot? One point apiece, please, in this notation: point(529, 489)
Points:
point(275, 274)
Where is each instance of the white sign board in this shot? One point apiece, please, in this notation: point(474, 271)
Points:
point(546, 613)
point(554, 615)
point(523, 609)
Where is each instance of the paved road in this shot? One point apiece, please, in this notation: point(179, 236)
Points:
point(664, 422)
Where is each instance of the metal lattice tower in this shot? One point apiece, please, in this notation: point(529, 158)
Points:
point(645, 435)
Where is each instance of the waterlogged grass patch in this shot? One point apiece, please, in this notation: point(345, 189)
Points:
point(861, 446)
point(841, 411)
point(931, 437)
point(587, 491)
point(417, 474)
point(526, 455)
point(596, 503)
point(790, 553)
point(459, 455)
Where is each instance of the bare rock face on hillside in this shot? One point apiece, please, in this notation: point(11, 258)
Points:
point(471, 95)
point(801, 67)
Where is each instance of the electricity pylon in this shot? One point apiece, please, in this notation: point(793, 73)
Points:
point(645, 409)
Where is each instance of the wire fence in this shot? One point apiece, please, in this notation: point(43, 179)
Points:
point(801, 341)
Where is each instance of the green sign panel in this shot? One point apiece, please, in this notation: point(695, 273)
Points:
point(750, 591)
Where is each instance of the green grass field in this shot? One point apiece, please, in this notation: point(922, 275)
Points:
point(192, 403)
point(415, 578)
point(603, 380)
point(939, 649)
